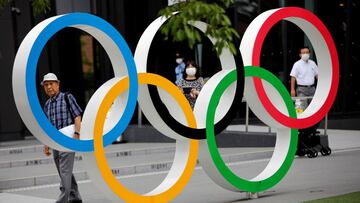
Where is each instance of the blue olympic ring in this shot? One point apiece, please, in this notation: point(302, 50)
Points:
point(53, 27)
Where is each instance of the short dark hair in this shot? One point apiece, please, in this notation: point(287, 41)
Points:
point(304, 47)
point(192, 62)
point(178, 55)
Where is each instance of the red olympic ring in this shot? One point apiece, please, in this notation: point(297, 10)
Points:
point(270, 108)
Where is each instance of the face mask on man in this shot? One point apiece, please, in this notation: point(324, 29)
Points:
point(191, 71)
point(179, 60)
point(305, 57)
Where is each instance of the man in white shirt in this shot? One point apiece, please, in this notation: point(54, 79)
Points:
point(304, 72)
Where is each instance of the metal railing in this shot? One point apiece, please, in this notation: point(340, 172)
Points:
point(247, 115)
point(293, 98)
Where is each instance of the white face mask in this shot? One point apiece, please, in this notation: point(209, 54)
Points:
point(179, 60)
point(305, 57)
point(191, 71)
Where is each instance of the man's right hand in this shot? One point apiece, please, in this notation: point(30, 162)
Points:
point(47, 150)
point(293, 93)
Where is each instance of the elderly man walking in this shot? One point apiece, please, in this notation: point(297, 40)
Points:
point(62, 110)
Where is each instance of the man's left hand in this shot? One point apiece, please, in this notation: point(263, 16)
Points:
point(75, 136)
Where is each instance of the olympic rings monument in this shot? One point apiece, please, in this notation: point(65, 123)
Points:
point(194, 131)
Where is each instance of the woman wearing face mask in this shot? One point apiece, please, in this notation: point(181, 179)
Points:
point(191, 84)
point(304, 73)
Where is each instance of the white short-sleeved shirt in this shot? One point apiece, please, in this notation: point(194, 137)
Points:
point(304, 72)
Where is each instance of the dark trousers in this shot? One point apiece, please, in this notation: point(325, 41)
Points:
point(64, 162)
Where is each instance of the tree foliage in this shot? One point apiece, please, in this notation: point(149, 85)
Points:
point(3, 3)
point(38, 6)
point(219, 26)
point(178, 27)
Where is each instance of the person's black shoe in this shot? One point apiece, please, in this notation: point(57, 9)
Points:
point(75, 201)
point(119, 142)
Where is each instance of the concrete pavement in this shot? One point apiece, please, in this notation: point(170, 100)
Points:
point(157, 157)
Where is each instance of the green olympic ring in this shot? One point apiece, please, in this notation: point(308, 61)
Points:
point(240, 183)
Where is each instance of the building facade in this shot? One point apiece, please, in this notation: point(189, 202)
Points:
point(83, 65)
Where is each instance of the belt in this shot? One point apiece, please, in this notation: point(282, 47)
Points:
point(306, 85)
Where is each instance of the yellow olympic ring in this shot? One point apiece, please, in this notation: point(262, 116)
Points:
point(113, 183)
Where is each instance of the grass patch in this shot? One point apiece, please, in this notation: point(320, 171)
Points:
point(348, 198)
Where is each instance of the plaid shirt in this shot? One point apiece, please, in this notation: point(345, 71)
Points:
point(58, 113)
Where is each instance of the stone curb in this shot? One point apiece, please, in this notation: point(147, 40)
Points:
point(49, 160)
point(21, 150)
point(122, 171)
